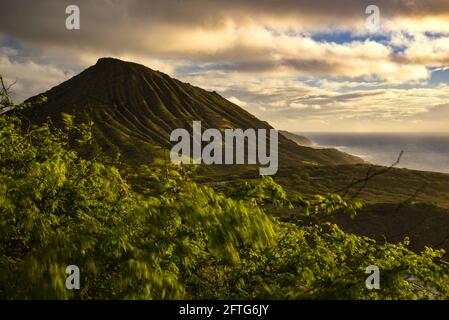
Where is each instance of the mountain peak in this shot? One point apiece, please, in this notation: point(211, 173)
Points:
point(109, 60)
point(114, 62)
point(104, 60)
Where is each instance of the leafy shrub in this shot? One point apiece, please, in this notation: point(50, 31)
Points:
point(177, 239)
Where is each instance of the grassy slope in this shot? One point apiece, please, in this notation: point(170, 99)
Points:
point(300, 140)
point(135, 109)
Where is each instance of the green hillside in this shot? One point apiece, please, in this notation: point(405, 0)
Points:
point(300, 140)
point(134, 110)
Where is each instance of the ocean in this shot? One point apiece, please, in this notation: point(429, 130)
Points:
point(423, 151)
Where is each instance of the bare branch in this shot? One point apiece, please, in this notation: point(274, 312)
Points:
point(6, 103)
point(369, 176)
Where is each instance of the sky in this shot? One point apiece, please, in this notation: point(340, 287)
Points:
point(300, 65)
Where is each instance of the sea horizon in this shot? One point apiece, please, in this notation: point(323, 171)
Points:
point(424, 151)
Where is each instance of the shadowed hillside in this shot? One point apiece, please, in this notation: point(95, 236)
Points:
point(134, 110)
point(300, 140)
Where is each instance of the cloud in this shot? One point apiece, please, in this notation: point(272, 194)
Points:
point(237, 101)
point(30, 78)
point(430, 51)
point(245, 36)
point(264, 55)
point(301, 105)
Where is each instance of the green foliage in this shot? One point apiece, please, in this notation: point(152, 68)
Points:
point(175, 238)
point(261, 192)
point(265, 192)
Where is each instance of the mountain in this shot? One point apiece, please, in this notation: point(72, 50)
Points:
point(300, 140)
point(134, 110)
